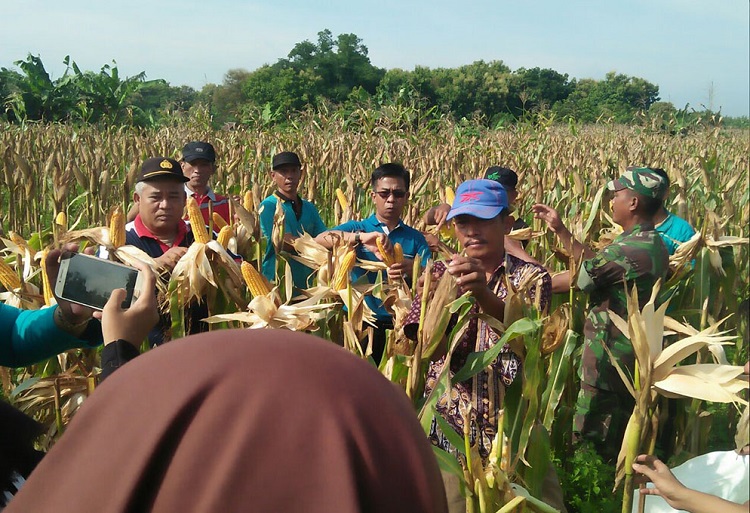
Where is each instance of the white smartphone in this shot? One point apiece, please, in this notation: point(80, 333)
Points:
point(89, 281)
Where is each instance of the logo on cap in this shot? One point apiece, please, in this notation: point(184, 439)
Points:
point(470, 196)
point(165, 164)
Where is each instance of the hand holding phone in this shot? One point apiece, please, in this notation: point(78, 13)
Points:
point(89, 281)
point(133, 324)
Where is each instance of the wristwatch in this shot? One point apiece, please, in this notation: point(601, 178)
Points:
point(357, 239)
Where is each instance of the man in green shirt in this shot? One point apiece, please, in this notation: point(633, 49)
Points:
point(636, 258)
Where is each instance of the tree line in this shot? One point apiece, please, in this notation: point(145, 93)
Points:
point(332, 73)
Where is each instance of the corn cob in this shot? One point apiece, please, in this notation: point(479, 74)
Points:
point(46, 285)
point(219, 221)
point(342, 199)
point(117, 228)
point(256, 282)
point(341, 276)
point(387, 257)
point(450, 196)
point(247, 201)
point(196, 222)
point(8, 277)
point(61, 219)
point(398, 253)
point(224, 235)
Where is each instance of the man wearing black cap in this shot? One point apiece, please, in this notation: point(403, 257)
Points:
point(299, 216)
point(159, 230)
point(198, 165)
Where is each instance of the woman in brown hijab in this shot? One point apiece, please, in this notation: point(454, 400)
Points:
point(241, 421)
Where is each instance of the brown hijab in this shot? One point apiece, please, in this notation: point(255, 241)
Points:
point(241, 421)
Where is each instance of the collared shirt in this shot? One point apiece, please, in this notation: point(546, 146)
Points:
point(412, 241)
point(218, 203)
point(137, 234)
point(485, 391)
point(300, 216)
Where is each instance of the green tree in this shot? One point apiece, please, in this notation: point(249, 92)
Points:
point(618, 97)
point(537, 89)
point(328, 70)
point(37, 97)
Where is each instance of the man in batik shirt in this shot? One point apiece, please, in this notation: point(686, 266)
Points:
point(480, 214)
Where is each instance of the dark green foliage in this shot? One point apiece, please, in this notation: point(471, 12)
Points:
point(586, 481)
point(86, 96)
point(617, 98)
point(335, 73)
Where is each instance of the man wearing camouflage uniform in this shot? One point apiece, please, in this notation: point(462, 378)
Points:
point(637, 257)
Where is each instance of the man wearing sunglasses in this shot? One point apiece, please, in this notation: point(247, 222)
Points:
point(390, 193)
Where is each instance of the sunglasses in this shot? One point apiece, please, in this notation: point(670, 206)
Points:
point(387, 193)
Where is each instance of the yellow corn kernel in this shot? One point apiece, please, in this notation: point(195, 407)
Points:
point(196, 222)
point(256, 282)
point(117, 228)
point(46, 285)
point(219, 221)
point(341, 276)
point(247, 201)
point(387, 258)
point(398, 253)
point(342, 199)
point(61, 219)
point(225, 234)
point(450, 196)
point(8, 277)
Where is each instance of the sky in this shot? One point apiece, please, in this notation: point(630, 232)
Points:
point(696, 51)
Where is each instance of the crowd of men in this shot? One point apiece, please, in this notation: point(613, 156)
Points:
point(482, 216)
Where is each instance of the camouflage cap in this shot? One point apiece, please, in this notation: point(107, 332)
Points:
point(641, 180)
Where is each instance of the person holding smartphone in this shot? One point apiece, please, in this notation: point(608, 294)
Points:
point(35, 335)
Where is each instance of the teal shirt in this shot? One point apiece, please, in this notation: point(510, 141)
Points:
point(309, 222)
point(674, 231)
point(32, 336)
point(412, 241)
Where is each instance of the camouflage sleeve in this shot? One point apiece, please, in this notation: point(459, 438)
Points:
point(608, 267)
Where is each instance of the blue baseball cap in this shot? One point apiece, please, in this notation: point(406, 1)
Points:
point(484, 199)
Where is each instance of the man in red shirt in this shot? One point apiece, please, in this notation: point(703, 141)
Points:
point(198, 165)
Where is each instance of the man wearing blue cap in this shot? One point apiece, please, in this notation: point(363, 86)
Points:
point(481, 218)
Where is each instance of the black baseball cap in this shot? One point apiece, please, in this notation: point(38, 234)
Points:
point(502, 175)
point(198, 150)
point(157, 168)
point(285, 158)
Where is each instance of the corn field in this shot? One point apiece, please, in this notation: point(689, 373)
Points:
point(88, 172)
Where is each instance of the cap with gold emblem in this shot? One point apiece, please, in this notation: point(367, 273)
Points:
point(158, 168)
